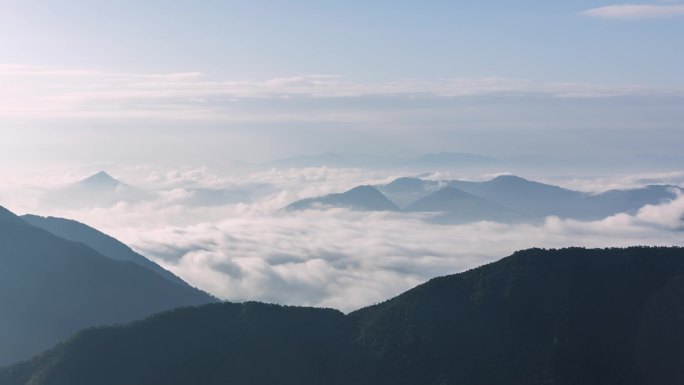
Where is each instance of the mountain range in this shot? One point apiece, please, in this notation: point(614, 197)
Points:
point(59, 276)
point(452, 160)
point(565, 317)
point(459, 206)
point(504, 198)
point(441, 160)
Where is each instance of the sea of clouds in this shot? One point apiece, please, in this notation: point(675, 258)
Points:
point(224, 231)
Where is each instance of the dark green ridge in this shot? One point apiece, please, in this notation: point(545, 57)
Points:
point(566, 317)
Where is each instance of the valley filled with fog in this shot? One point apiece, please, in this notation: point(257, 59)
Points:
point(225, 229)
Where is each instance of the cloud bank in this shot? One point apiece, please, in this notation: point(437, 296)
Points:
point(251, 250)
point(347, 259)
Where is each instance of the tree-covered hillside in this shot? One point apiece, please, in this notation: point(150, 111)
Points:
point(570, 316)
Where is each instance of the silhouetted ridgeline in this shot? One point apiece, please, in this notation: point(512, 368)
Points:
point(51, 287)
point(566, 317)
point(506, 198)
point(365, 198)
point(101, 242)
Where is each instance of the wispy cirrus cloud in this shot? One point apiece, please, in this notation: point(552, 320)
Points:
point(31, 92)
point(636, 11)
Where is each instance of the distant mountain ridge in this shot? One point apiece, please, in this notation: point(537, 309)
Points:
point(517, 199)
point(463, 207)
point(452, 159)
point(51, 287)
point(327, 159)
point(406, 190)
point(366, 198)
point(441, 160)
point(534, 198)
point(565, 317)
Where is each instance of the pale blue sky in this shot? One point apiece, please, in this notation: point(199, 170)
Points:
point(364, 40)
point(263, 69)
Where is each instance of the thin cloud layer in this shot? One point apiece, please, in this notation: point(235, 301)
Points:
point(636, 11)
point(49, 93)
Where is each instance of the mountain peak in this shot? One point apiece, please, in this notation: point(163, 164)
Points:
point(511, 180)
point(364, 189)
point(449, 191)
point(451, 199)
point(406, 181)
point(6, 215)
point(101, 175)
point(359, 198)
point(101, 178)
point(509, 177)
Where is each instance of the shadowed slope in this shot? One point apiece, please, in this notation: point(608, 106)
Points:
point(565, 317)
point(51, 287)
point(102, 243)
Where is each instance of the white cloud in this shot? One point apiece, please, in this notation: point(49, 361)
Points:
point(348, 259)
point(636, 11)
point(335, 258)
point(49, 93)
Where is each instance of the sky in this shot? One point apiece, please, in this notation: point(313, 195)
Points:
point(381, 41)
point(184, 98)
point(243, 72)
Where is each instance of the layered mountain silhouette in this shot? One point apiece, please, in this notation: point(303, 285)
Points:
point(51, 287)
point(510, 198)
point(616, 201)
point(366, 198)
point(440, 160)
point(99, 241)
point(451, 160)
point(565, 317)
point(100, 189)
point(327, 159)
point(404, 191)
point(541, 200)
point(462, 207)
point(534, 198)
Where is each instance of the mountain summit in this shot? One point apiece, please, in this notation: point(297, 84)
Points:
point(359, 198)
point(102, 180)
point(8, 216)
point(457, 206)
